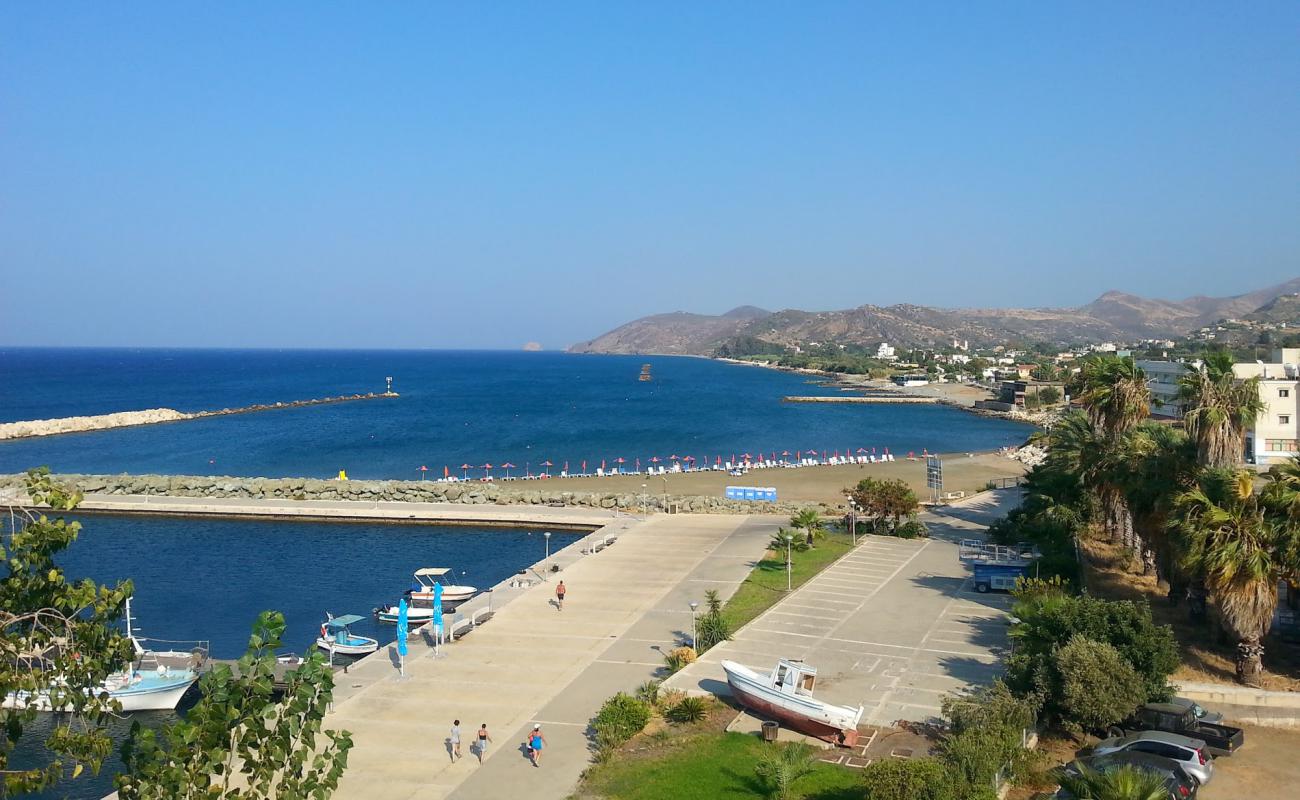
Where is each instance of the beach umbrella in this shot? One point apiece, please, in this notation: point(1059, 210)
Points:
point(657, 459)
point(584, 466)
point(674, 457)
point(507, 467)
point(423, 469)
point(464, 468)
point(602, 464)
point(437, 611)
point(620, 461)
point(487, 470)
point(638, 463)
point(862, 450)
point(547, 463)
point(528, 468)
point(446, 472)
point(402, 627)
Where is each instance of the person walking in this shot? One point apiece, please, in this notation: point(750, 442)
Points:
point(536, 741)
point(560, 591)
point(454, 738)
point(483, 739)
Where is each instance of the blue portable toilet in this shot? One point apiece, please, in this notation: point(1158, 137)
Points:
point(770, 494)
point(751, 493)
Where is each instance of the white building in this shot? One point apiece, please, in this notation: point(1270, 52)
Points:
point(1274, 437)
point(885, 352)
point(1162, 378)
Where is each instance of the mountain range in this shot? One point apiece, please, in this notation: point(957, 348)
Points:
point(1114, 316)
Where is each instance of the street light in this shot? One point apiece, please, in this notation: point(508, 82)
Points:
point(853, 521)
point(788, 568)
point(547, 537)
point(694, 605)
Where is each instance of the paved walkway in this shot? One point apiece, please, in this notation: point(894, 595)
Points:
point(532, 663)
point(892, 626)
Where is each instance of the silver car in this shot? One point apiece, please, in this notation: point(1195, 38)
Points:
point(1188, 752)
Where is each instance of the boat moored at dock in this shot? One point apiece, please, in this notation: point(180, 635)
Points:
point(336, 638)
point(425, 580)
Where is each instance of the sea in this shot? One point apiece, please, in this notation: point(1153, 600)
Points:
point(207, 579)
point(456, 412)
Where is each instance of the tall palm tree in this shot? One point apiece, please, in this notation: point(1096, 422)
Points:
point(1242, 548)
point(1219, 410)
point(1115, 393)
point(1162, 465)
point(1124, 783)
point(1101, 464)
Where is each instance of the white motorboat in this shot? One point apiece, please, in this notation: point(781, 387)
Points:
point(155, 680)
point(428, 577)
point(415, 615)
point(785, 695)
point(335, 637)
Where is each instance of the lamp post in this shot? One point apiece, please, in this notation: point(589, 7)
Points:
point(546, 536)
point(694, 605)
point(788, 567)
point(853, 522)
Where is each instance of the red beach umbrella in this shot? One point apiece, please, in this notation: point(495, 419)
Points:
point(446, 472)
point(602, 465)
point(507, 467)
point(657, 459)
point(674, 457)
point(638, 463)
point(862, 450)
point(465, 468)
point(620, 461)
point(423, 469)
point(717, 459)
point(487, 470)
point(548, 466)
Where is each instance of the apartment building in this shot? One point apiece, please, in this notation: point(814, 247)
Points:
point(1277, 430)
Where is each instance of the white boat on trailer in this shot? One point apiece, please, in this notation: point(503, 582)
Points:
point(428, 577)
point(785, 695)
point(155, 680)
point(336, 638)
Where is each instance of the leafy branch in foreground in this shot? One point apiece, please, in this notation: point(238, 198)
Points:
point(239, 740)
point(56, 637)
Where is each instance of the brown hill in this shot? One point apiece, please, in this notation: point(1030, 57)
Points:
point(1112, 316)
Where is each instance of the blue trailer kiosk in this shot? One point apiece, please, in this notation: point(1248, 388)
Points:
point(999, 575)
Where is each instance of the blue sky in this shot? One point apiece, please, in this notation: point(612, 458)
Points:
point(485, 174)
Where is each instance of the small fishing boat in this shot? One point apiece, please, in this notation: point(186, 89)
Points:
point(335, 637)
point(428, 577)
point(785, 695)
point(415, 615)
point(155, 680)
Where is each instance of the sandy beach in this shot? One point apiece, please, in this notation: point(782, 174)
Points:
point(812, 484)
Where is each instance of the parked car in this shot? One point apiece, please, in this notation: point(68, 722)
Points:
point(1189, 753)
point(1223, 740)
point(1199, 711)
point(1179, 784)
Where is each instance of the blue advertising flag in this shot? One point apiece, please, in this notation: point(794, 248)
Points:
point(437, 606)
point(402, 624)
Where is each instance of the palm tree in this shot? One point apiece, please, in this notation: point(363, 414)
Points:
point(1101, 464)
point(1235, 540)
point(1219, 409)
point(1162, 465)
point(809, 520)
point(1123, 783)
point(1115, 393)
point(780, 765)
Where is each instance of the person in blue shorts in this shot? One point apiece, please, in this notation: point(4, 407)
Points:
point(536, 741)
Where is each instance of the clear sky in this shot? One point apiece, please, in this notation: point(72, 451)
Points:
point(485, 174)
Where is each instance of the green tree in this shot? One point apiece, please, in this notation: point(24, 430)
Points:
point(984, 734)
point(1240, 546)
point(909, 779)
point(780, 765)
point(1219, 409)
point(239, 740)
point(56, 637)
point(1162, 463)
point(1049, 395)
point(884, 501)
point(1098, 687)
point(1123, 783)
point(711, 628)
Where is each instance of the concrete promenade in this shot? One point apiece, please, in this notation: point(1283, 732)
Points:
point(892, 626)
point(532, 663)
point(533, 516)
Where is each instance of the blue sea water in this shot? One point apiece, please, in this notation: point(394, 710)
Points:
point(455, 408)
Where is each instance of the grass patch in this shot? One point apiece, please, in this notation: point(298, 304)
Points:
point(766, 583)
point(708, 767)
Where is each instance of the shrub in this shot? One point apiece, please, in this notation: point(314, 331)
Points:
point(648, 693)
point(688, 709)
point(781, 765)
point(621, 717)
point(670, 697)
point(711, 628)
point(1048, 622)
point(798, 542)
point(909, 779)
point(912, 529)
point(984, 734)
point(679, 657)
point(1097, 686)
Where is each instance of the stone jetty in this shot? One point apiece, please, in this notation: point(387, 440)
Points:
point(151, 416)
point(874, 399)
point(469, 493)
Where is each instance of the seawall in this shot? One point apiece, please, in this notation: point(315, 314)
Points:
point(386, 491)
point(152, 416)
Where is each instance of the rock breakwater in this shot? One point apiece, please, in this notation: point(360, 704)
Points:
point(151, 416)
point(403, 491)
